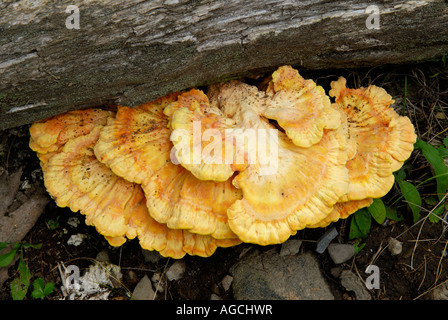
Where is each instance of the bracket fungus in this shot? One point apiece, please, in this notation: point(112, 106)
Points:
point(193, 171)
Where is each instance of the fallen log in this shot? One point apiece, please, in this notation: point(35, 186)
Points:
point(58, 56)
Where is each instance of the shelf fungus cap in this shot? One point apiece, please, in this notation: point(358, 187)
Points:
point(384, 140)
point(50, 135)
point(114, 206)
point(342, 210)
point(174, 243)
point(201, 138)
point(180, 200)
point(300, 107)
point(303, 191)
point(136, 142)
point(76, 179)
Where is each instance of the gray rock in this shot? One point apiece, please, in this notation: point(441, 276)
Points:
point(151, 256)
point(176, 270)
point(143, 290)
point(103, 256)
point(325, 239)
point(340, 252)
point(440, 292)
point(226, 282)
point(395, 247)
point(270, 276)
point(290, 247)
point(158, 282)
point(352, 283)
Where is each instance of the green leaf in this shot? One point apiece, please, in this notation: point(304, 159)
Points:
point(360, 224)
point(6, 259)
point(41, 290)
point(412, 196)
point(391, 213)
point(443, 151)
point(437, 212)
point(445, 142)
point(49, 287)
point(378, 210)
point(436, 161)
point(34, 246)
point(3, 245)
point(19, 286)
point(358, 246)
point(431, 200)
point(38, 289)
point(401, 174)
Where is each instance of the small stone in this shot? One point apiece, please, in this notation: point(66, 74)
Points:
point(226, 282)
point(440, 292)
point(76, 239)
point(352, 283)
point(325, 239)
point(157, 282)
point(143, 290)
point(269, 276)
point(103, 256)
point(151, 256)
point(395, 247)
point(131, 276)
point(73, 222)
point(215, 297)
point(176, 270)
point(336, 271)
point(340, 252)
point(290, 247)
point(441, 115)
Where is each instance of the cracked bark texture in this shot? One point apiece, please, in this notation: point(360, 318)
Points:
point(130, 52)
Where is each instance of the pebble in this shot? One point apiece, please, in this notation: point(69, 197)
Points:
point(395, 247)
point(73, 222)
point(76, 239)
point(215, 297)
point(269, 276)
point(352, 283)
point(440, 292)
point(176, 270)
point(103, 256)
point(325, 239)
point(158, 283)
point(151, 256)
point(143, 290)
point(290, 247)
point(340, 252)
point(226, 282)
point(131, 276)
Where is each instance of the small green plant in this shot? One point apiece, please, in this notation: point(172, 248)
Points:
point(53, 224)
point(41, 289)
point(20, 285)
point(362, 219)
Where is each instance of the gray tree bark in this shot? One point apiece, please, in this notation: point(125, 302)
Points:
point(130, 52)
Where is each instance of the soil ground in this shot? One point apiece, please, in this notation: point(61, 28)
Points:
point(422, 265)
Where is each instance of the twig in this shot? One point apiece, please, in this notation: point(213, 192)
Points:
point(64, 289)
point(421, 227)
point(424, 274)
point(429, 290)
point(439, 269)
